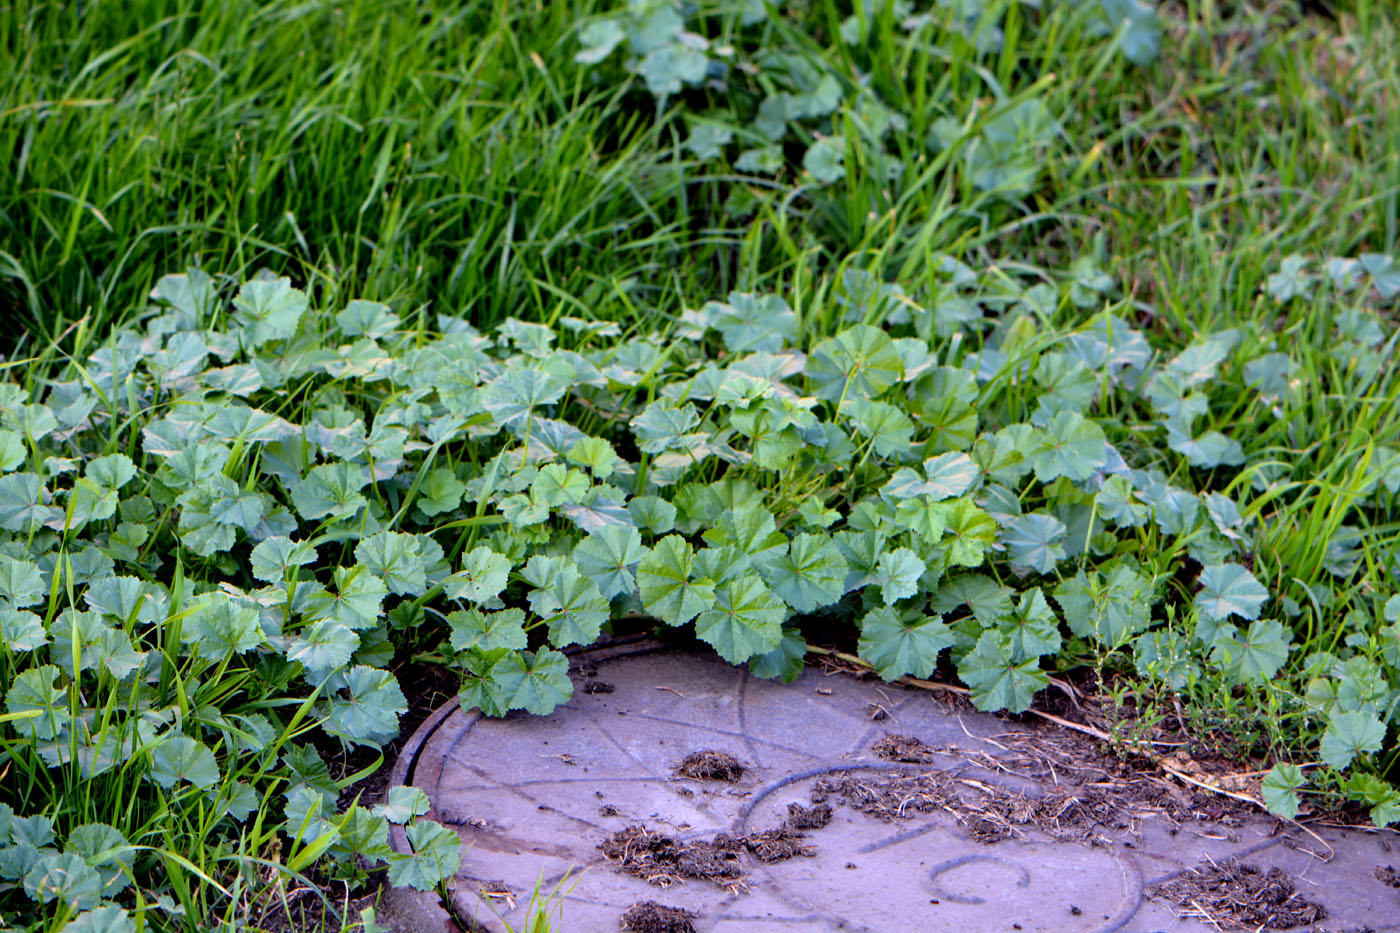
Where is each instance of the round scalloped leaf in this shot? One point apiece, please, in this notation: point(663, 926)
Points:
point(997, 679)
point(437, 853)
point(1229, 590)
point(181, 759)
point(745, 621)
point(368, 713)
point(1349, 734)
point(896, 646)
point(861, 362)
point(811, 575)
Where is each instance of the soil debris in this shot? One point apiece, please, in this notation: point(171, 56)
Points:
point(651, 917)
point(598, 686)
point(711, 765)
point(661, 859)
point(777, 845)
point(905, 748)
point(988, 812)
point(813, 817)
point(1388, 876)
point(1241, 896)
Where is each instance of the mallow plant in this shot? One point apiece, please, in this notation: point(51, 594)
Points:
point(224, 526)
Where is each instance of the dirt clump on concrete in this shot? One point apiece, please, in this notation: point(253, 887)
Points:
point(1236, 895)
point(813, 817)
point(989, 813)
point(711, 766)
point(777, 845)
point(906, 749)
point(661, 859)
point(651, 917)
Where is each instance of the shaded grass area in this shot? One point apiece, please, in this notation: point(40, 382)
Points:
point(418, 153)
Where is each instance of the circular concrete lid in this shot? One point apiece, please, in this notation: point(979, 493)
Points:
point(940, 817)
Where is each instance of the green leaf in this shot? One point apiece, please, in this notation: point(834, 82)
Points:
point(20, 583)
point(766, 160)
point(746, 620)
point(536, 681)
point(945, 476)
point(64, 877)
point(568, 602)
point(784, 662)
point(268, 310)
point(441, 492)
point(404, 805)
point(323, 646)
point(1381, 797)
point(596, 455)
point(1229, 590)
point(487, 631)
point(1291, 281)
point(106, 919)
point(899, 573)
point(1136, 24)
point(825, 159)
point(1349, 734)
point(356, 602)
point(367, 319)
point(972, 532)
point(1034, 541)
point(22, 631)
point(988, 600)
point(667, 69)
point(1072, 446)
point(598, 39)
point(1032, 629)
point(437, 854)
point(556, 485)
point(107, 851)
point(514, 395)
point(1384, 272)
point(811, 575)
point(664, 580)
point(397, 559)
point(861, 362)
point(1109, 608)
point(33, 692)
point(111, 472)
point(750, 530)
point(23, 503)
point(1258, 655)
point(663, 425)
point(368, 713)
point(483, 575)
point(305, 820)
point(608, 555)
point(330, 490)
point(220, 627)
point(273, 559)
point(997, 680)
point(181, 759)
point(896, 646)
point(751, 323)
point(1280, 790)
point(889, 429)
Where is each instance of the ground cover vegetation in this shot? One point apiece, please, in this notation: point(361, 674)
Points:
point(1016, 340)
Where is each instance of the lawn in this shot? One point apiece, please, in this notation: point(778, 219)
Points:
point(1017, 343)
